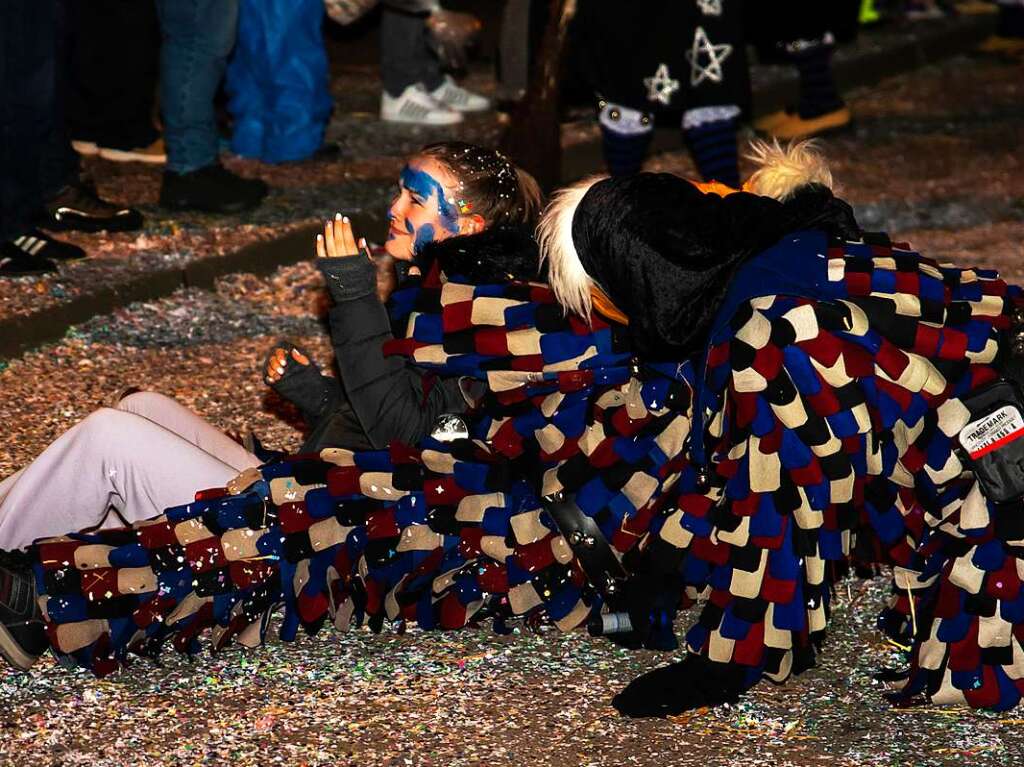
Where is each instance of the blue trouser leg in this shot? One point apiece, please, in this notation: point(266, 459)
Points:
point(197, 37)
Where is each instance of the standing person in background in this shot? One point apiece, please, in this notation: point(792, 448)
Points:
point(416, 88)
point(804, 34)
point(40, 181)
point(111, 65)
point(686, 58)
point(198, 36)
point(277, 80)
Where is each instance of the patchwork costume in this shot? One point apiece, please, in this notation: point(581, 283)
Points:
point(813, 418)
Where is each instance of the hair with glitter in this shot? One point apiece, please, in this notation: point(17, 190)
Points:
point(490, 185)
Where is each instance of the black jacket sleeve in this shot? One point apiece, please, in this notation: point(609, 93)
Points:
point(392, 399)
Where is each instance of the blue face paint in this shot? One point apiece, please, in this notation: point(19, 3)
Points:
point(408, 226)
point(424, 185)
point(424, 235)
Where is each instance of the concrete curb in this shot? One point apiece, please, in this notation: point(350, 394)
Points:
point(19, 334)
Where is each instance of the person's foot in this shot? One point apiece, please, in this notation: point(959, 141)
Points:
point(212, 189)
point(765, 123)
point(416, 107)
point(796, 127)
point(997, 45)
point(155, 153)
point(78, 207)
point(34, 253)
point(22, 636)
point(454, 96)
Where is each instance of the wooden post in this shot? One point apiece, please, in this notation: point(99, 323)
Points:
point(533, 137)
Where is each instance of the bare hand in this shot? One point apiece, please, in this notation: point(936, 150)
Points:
point(279, 361)
point(243, 481)
point(338, 241)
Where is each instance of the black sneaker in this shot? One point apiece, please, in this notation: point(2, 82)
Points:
point(77, 206)
point(213, 189)
point(22, 637)
point(39, 245)
point(19, 261)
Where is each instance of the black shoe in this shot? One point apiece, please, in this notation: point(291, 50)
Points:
point(22, 256)
point(22, 637)
point(41, 246)
point(213, 189)
point(77, 206)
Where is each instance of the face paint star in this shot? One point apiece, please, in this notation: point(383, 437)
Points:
point(715, 54)
point(661, 86)
point(710, 7)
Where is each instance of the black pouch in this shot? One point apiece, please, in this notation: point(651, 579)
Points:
point(993, 440)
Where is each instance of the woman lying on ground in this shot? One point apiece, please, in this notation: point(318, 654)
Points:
point(149, 452)
point(796, 403)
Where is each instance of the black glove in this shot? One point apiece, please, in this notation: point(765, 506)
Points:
point(692, 683)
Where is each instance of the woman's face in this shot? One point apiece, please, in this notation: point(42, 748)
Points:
point(426, 209)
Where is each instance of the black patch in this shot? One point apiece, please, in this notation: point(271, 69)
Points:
point(213, 582)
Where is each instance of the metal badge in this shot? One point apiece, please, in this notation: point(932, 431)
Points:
point(449, 427)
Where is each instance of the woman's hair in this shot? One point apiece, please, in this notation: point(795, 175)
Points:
point(489, 184)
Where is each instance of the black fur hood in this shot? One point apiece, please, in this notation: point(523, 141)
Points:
point(496, 255)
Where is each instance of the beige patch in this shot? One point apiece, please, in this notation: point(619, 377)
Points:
point(953, 416)
point(792, 414)
point(720, 649)
point(747, 585)
point(572, 364)
point(841, 490)
point(438, 462)
point(780, 639)
point(338, 456)
point(523, 598)
point(472, 507)
point(575, 618)
point(301, 577)
point(756, 331)
point(92, 556)
point(748, 380)
point(765, 468)
point(495, 547)
point(550, 438)
point(326, 533)
point(136, 580)
point(993, 631)
point(523, 343)
point(377, 484)
point(674, 533)
point(673, 437)
point(240, 544)
point(75, 636)
point(507, 380)
point(455, 293)
point(419, 538)
point(834, 375)
point(965, 575)
point(433, 354)
point(640, 488)
point(551, 403)
point(190, 531)
point(738, 537)
point(190, 605)
point(974, 511)
point(287, 490)
point(804, 322)
point(527, 527)
point(491, 311)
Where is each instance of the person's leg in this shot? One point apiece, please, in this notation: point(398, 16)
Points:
point(176, 418)
point(405, 57)
point(111, 459)
point(113, 75)
point(625, 137)
point(710, 134)
point(197, 37)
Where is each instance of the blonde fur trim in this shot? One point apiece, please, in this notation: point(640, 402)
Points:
point(784, 169)
point(566, 275)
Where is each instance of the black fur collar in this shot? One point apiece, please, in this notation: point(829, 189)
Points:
point(496, 255)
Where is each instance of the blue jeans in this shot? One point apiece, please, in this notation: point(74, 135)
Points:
point(197, 36)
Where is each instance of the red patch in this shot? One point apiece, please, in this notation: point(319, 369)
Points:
point(381, 524)
point(534, 557)
point(246, 574)
point(453, 613)
point(343, 480)
point(312, 607)
point(294, 517)
point(749, 650)
point(458, 316)
point(954, 344)
point(211, 494)
point(779, 592)
point(491, 341)
point(157, 536)
point(100, 584)
point(205, 555)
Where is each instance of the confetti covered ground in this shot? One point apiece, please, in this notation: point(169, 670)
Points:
point(936, 156)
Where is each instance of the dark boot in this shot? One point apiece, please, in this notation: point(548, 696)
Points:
point(213, 189)
point(22, 637)
point(78, 207)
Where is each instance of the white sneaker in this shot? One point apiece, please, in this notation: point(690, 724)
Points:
point(454, 96)
point(418, 107)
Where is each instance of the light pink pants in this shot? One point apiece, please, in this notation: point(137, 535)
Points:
point(148, 453)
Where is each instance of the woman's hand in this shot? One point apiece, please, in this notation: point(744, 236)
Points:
point(278, 362)
point(338, 241)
